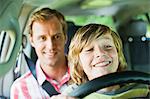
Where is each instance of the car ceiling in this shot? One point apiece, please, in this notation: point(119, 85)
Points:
point(121, 9)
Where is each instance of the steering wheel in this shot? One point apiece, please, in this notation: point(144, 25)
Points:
point(110, 80)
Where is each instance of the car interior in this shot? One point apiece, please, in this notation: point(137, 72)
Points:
point(130, 18)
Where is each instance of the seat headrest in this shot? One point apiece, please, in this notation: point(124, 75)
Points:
point(133, 28)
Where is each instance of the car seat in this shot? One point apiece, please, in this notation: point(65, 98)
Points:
point(14, 72)
point(136, 44)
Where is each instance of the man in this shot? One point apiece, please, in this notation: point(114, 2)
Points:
point(47, 34)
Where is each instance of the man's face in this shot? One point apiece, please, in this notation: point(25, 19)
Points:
point(48, 40)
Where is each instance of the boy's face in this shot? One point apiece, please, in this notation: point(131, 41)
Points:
point(100, 57)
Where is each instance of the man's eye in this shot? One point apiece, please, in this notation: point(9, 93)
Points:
point(43, 38)
point(57, 37)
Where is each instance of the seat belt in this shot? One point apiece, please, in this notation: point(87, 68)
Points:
point(47, 86)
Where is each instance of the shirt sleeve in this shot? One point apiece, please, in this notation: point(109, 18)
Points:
point(14, 93)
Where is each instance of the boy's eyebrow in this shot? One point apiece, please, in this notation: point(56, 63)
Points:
point(107, 38)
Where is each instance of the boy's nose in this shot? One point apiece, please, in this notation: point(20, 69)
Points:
point(99, 52)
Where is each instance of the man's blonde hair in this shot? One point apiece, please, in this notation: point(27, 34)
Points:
point(45, 14)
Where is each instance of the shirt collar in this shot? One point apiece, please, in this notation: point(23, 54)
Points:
point(41, 77)
point(40, 74)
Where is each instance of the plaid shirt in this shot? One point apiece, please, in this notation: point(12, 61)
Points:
point(27, 87)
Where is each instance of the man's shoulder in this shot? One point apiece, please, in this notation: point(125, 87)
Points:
point(27, 76)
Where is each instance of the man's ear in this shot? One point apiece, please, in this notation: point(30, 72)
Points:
point(66, 39)
point(31, 40)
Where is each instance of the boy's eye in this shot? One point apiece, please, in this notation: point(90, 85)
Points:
point(108, 46)
point(89, 49)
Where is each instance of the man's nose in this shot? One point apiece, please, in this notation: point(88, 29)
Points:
point(50, 43)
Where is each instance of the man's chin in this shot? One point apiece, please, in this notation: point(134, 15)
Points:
point(50, 64)
point(49, 61)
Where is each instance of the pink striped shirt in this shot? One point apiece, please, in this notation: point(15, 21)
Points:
point(27, 87)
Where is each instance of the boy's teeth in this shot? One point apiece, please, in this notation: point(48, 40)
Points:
point(103, 63)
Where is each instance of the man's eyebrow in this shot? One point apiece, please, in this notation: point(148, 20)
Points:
point(41, 35)
point(58, 34)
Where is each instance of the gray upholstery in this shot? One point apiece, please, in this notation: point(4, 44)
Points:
point(137, 51)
